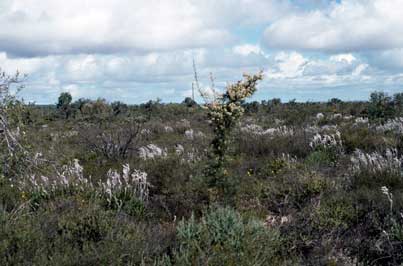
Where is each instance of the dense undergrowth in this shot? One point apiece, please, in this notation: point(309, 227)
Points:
point(101, 184)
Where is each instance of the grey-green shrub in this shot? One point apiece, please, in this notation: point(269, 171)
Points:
point(223, 237)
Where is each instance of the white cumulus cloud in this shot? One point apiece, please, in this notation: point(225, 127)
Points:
point(43, 27)
point(352, 25)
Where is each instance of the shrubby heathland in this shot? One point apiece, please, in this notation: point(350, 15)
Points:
point(226, 182)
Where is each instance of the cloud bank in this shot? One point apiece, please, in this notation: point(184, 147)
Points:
point(134, 50)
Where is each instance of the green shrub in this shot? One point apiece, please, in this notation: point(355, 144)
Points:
point(380, 106)
point(222, 237)
point(69, 231)
point(335, 213)
point(275, 167)
point(292, 191)
point(10, 197)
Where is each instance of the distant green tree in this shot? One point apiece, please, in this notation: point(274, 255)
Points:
point(79, 105)
point(151, 107)
point(292, 102)
point(398, 102)
point(119, 108)
point(380, 106)
point(189, 102)
point(99, 108)
point(64, 104)
point(274, 102)
point(252, 107)
point(334, 101)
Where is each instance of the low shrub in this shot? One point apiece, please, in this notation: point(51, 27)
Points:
point(222, 237)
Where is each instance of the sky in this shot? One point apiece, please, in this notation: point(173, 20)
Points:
point(135, 50)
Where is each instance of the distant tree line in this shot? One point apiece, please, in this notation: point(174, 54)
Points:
point(379, 106)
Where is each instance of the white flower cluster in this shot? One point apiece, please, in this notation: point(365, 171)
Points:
point(192, 156)
point(320, 116)
point(226, 109)
point(145, 132)
point(191, 134)
point(392, 125)
point(361, 121)
point(289, 159)
point(316, 129)
point(243, 89)
point(183, 124)
point(348, 117)
point(254, 129)
point(278, 122)
point(189, 157)
point(221, 114)
point(389, 195)
point(376, 162)
point(55, 136)
point(336, 116)
point(179, 149)
point(71, 177)
point(133, 183)
point(168, 129)
point(277, 220)
point(151, 151)
point(73, 173)
point(326, 141)
point(312, 129)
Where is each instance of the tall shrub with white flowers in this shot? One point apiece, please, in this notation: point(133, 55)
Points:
point(224, 112)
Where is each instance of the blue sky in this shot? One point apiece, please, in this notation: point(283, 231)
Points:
point(134, 50)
